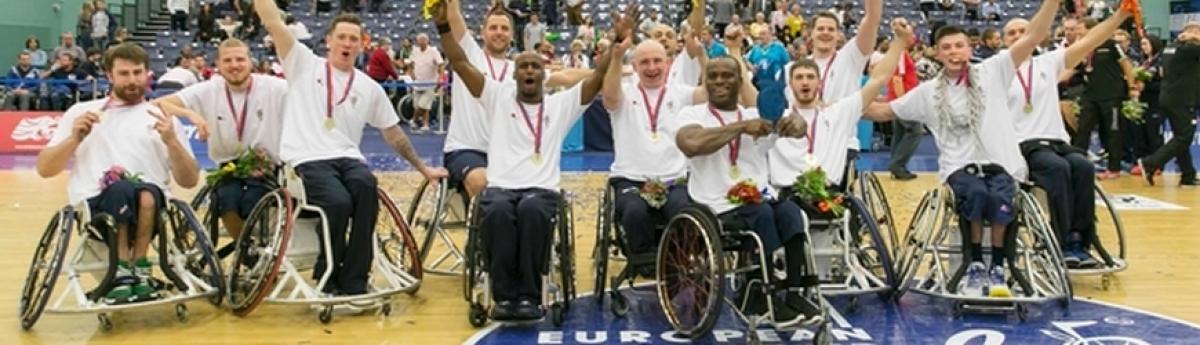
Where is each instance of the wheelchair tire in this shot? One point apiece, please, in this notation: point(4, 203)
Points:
point(881, 262)
point(259, 233)
point(565, 250)
point(926, 214)
point(476, 256)
point(203, 205)
point(1118, 226)
point(873, 196)
point(600, 253)
point(188, 236)
point(46, 264)
point(691, 253)
point(403, 254)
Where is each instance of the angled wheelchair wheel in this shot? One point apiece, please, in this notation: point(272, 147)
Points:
point(429, 215)
point(260, 251)
point(690, 266)
point(1039, 257)
point(872, 249)
point(872, 194)
point(1109, 228)
point(928, 215)
point(395, 239)
point(600, 253)
point(564, 257)
point(45, 267)
point(202, 204)
point(475, 269)
point(189, 238)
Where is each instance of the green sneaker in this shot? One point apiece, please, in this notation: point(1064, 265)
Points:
point(122, 291)
point(143, 269)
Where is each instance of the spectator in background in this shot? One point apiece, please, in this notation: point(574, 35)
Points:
point(546, 50)
point(33, 47)
point(83, 24)
point(406, 48)
point(971, 8)
point(1124, 42)
point(179, 14)
point(1147, 136)
point(520, 13)
point(427, 67)
point(550, 12)
point(121, 36)
point(576, 58)
point(93, 65)
point(649, 23)
point(1099, 10)
point(379, 64)
point(376, 6)
point(535, 31)
point(201, 67)
point(722, 15)
point(711, 45)
point(66, 76)
point(22, 83)
point(180, 76)
point(795, 23)
point(298, 29)
point(575, 14)
point(991, 11)
point(102, 22)
point(323, 6)
point(906, 135)
point(68, 46)
point(779, 21)
point(587, 33)
point(989, 45)
point(926, 7)
point(769, 58)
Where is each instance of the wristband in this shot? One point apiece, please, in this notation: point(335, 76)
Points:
point(443, 28)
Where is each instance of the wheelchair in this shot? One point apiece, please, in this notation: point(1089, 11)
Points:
point(612, 245)
point(280, 242)
point(558, 277)
point(437, 210)
point(701, 255)
point(1108, 228)
point(931, 259)
point(852, 255)
point(184, 255)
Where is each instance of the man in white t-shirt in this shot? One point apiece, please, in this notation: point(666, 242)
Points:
point(527, 129)
point(726, 146)
point(236, 113)
point(979, 157)
point(427, 68)
point(328, 103)
point(122, 133)
point(830, 124)
point(1064, 171)
point(467, 136)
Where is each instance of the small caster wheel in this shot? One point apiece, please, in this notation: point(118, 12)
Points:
point(105, 322)
point(386, 309)
point(620, 305)
point(556, 314)
point(477, 316)
point(181, 312)
point(326, 315)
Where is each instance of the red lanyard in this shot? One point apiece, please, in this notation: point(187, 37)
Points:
point(503, 72)
point(109, 103)
point(657, 106)
point(537, 133)
point(812, 126)
point(1027, 83)
point(734, 144)
point(825, 75)
point(329, 90)
point(239, 120)
point(965, 76)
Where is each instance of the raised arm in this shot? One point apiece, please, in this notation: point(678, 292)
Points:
point(458, 25)
point(1096, 36)
point(885, 69)
point(1039, 28)
point(879, 112)
point(567, 77)
point(591, 86)
point(695, 140)
point(869, 27)
point(456, 58)
point(272, 19)
point(692, 39)
point(612, 77)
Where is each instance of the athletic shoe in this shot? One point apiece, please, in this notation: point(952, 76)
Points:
point(1187, 183)
point(142, 289)
point(1108, 175)
point(1147, 171)
point(977, 281)
point(527, 310)
point(903, 175)
point(504, 311)
point(1085, 259)
point(123, 291)
point(1136, 170)
point(784, 316)
point(999, 286)
point(802, 305)
point(1071, 258)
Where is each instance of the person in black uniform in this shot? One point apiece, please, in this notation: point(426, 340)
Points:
point(1147, 136)
point(1108, 75)
point(1180, 95)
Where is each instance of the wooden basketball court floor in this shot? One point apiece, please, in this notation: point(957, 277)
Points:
point(1163, 276)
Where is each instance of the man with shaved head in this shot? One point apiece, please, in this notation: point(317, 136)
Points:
point(1061, 169)
point(527, 128)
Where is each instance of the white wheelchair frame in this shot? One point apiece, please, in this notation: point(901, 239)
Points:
point(182, 265)
point(1110, 265)
point(390, 276)
point(439, 252)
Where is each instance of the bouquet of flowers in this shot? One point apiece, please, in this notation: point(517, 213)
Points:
point(253, 163)
point(744, 192)
point(655, 191)
point(810, 188)
point(115, 174)
point(1134, 111)
point(1142, 75)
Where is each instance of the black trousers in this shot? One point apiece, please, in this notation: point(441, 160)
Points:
point(1106, 114)
point(637, 217)
point(1183, 129)
point(517, 225)
point(346, 190)
point(906, 136)
point(179, 21)
point(1068, 178)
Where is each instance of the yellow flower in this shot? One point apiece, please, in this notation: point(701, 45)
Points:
point(229, 167)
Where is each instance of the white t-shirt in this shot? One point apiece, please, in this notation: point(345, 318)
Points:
point(468, 126)
point(425, 65)
point(709, 177)
point(1045, 121)
point(305, 137)
point(125, 136)
point(685, 69)
point(180, 75)
point(637, 155)
point(830, 129)
point(511, 148)
point(264, 114)
point(841, 74)
point(994, 140)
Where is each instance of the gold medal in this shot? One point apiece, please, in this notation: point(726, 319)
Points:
point(654, 137)
point(811, 161)
point(329, 123)
point(734, 173)
point(1028, 107)
point(537, 158)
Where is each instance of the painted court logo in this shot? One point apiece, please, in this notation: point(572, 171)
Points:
point(39, 128)
point(915, 319)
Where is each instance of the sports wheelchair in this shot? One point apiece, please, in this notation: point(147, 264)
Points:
point(558, 277)
point(183, 251)
point(280, 241)
point(701, 255)
point(437, 210)
point(612, 245)
point(931, 259)
point(1108, 228)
